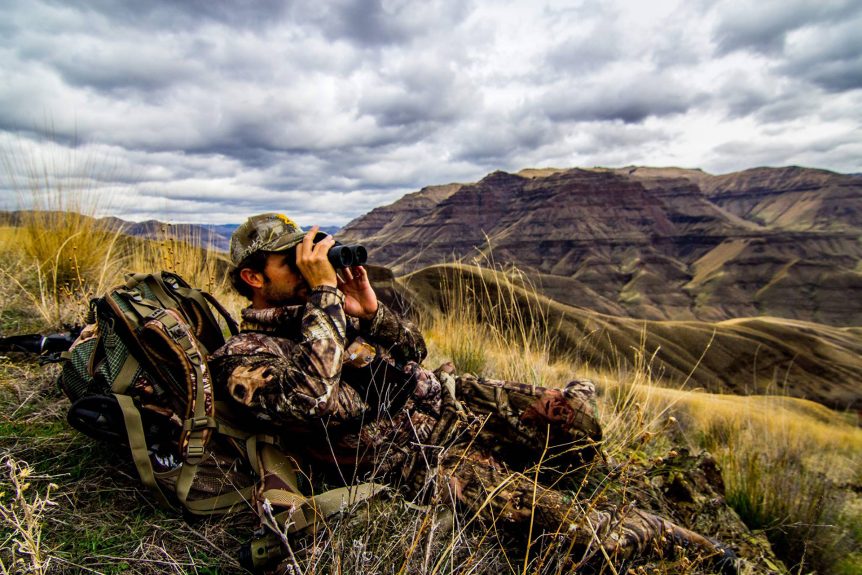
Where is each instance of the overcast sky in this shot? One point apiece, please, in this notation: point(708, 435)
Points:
point(209, 111)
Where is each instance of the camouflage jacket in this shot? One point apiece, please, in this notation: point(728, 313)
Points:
point(347, 393)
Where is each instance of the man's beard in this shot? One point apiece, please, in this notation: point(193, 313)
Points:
point(278, 297)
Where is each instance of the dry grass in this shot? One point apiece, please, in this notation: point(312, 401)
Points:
point(24, 511)
point(486, 326)
point(68, 254)
point(791, 467)
point(185, 254)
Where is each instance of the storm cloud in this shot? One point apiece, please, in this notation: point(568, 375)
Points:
point(209, 111)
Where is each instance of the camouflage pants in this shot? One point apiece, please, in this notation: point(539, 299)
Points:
point(509, 450)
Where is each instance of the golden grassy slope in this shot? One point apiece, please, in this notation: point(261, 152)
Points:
point(742, 356)
point(792, 467)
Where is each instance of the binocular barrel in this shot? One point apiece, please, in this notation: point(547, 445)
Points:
point(341, 256)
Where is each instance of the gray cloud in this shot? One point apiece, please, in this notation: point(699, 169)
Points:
point(630, 99)
point(204, 111)
point(170, 15)
point(812, 153)
point(380, 22)
point(763, 26)
point(828, 57)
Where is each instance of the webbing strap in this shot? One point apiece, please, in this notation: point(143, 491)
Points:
point(184, 482)
point(231, 323)
point(275, 462)
point(297, 518)
point(195, 295)
point(126, 375)
point(138, 446)
point(300, 511)
point(252, 449)
point(207, 317)
point(228, 430)
point(251, 454)
point(142, 307)
point(200, 420)
point(220, 503)
point(267, 548)
point(309, 512)
point(334, 501)
point(157, 286)
point(272, 461)
point(197, 424)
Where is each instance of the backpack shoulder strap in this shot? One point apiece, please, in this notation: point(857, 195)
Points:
point(138, 446)
point(231, 323)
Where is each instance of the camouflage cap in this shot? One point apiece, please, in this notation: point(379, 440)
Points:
point(264, 232)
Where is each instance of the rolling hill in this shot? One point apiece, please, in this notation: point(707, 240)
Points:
point(759, 355)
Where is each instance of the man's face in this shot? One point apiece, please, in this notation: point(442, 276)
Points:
point(282, 282)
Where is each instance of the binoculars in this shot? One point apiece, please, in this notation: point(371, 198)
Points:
point(341, 256)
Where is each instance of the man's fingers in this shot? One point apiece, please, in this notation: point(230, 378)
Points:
point(348, 274)
point(325, 244)
point(308, 240)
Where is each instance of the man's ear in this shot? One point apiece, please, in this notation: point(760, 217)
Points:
point(251, 277)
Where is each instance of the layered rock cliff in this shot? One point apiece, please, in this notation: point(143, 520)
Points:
point(644, 242)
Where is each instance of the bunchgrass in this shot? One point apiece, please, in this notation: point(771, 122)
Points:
point(67, 253)
point(184, 253)
point(791, 467)
point(492, 321)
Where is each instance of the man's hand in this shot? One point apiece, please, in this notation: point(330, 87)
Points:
point(312, 261)
point(359, 297)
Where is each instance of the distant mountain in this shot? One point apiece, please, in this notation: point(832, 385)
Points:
point(215, 237)
point(210, 236)
point(650, 243)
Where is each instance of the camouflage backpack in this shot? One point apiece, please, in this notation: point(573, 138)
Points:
point(137, 376)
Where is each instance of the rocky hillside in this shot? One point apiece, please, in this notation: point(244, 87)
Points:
point(651, 243)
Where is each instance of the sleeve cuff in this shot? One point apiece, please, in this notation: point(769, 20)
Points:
point(323, 296)
point(372, 326)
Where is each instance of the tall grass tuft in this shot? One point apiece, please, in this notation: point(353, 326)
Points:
point(790, 467)
point(69, 252)
point(492, 322)
point(184, 253)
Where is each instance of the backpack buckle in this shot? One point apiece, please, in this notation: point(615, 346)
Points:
point(198, 423)
point(194, 452)
point(194, 357)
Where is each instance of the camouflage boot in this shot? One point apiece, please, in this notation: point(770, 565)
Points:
point(475, 479)
point(635, 532)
